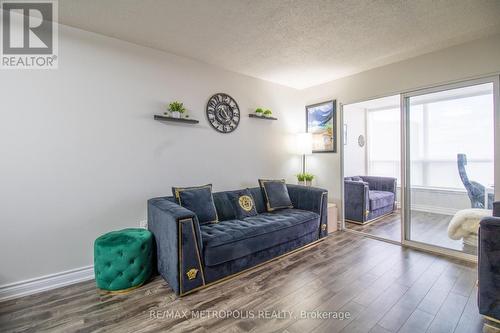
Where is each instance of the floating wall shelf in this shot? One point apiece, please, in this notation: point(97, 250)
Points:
point(176, 120)
point(251, 115)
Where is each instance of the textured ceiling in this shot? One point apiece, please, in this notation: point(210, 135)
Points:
point(294, 43)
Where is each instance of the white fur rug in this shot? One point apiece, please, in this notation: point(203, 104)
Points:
point(465, 223)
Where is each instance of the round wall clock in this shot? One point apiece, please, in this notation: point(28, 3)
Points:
point(361, 141)
point(223, 113)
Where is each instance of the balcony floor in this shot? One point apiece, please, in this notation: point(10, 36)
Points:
point(427, 227)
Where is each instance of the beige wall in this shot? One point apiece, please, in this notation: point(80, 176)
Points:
point(478, 58)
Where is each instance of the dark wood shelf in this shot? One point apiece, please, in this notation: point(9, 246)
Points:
point(252, 115)
point(176, 120)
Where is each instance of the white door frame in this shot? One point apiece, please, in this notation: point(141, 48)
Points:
point(405, 159)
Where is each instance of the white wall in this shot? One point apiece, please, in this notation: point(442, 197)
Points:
point(478, 58)
point(81, 153)
point(354, 155)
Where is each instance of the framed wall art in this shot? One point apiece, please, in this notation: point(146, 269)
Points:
point(321, 122)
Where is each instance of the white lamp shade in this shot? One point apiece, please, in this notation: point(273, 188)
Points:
point(304, 143)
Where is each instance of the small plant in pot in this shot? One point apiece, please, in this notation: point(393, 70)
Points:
point(176, 109)
point(308, 178)
point(301, 179)
point(259, 112)
point(268, 113)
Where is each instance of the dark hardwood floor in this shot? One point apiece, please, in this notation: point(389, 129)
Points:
point(388, 227)
point(383, 287)
point(427, 227)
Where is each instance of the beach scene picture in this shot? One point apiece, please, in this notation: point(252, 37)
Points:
point(321, 123)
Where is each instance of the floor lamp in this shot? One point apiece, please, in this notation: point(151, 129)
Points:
point(304, 147)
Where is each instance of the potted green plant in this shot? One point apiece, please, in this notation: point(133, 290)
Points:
point(259, 112)
point(301, 180)
point(176, 109)
point(268, 113)
point(308, 178)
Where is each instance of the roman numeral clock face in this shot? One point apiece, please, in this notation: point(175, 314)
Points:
point(223, 113)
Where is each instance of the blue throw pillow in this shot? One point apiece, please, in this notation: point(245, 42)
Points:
point(243, 203)
point(199, 200)
point(275, 194)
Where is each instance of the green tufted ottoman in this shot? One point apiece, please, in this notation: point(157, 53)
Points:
point(123, 259)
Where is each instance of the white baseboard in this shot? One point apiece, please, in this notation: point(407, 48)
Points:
point(47, 282)
point(435, 209)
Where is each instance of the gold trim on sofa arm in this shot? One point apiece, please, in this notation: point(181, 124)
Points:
point(321, 213)
point(305, 247)
point(180, 252)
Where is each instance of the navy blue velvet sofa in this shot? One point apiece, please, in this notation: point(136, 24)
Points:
point(368, 197)
point(191, 256)
point(489, 265)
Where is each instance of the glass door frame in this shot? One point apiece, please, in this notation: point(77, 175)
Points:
point(404, 109)
point(342, 152)
point(405, 160)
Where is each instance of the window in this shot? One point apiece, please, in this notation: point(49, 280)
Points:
point(445, 124)
point(383, 142)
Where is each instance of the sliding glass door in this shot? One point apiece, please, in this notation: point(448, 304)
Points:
point(443, 138)
point(449, 153)
point(371, 155)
